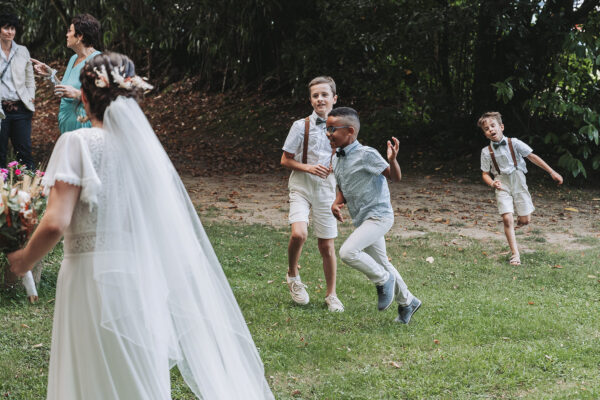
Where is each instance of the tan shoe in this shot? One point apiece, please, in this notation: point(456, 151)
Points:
point(297, 290)
point(334, 304)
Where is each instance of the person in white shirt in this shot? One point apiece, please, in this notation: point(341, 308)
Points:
point(17, 92)
point(505, 159)
point(307, 153)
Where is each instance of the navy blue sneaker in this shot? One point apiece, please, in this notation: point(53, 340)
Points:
point(405, 312)
point(385, 293)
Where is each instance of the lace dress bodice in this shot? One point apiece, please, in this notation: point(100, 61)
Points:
point(80, 236)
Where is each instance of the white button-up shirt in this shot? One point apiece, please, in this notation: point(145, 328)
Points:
point(504, 158)
point(319, 149)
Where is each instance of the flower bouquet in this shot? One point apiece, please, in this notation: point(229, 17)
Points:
point(21, 204)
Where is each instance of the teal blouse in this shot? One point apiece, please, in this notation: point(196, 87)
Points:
point(71, 108)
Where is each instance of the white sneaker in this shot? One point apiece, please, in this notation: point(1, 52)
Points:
point(297, 289)
point(334, 304)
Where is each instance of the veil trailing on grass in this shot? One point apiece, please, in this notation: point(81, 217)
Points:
point(163, 292)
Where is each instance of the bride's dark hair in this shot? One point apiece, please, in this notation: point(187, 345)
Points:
point(99, 85)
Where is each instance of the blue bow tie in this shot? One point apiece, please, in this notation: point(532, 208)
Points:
point(340, 153)
point(502, 143)
point(320, 121)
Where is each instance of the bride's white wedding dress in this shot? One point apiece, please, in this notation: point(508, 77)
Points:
point(140, 289)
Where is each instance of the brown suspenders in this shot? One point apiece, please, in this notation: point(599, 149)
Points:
point(512, 153)
point(305, 144)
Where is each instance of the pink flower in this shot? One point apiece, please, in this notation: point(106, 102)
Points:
point(39, 173)
point(17, 171)
point(12, 164)
point(3, 171)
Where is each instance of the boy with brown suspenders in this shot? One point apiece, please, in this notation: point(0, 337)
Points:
point(307, 152)
point(504, 158)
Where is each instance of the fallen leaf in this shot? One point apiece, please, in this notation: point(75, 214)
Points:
point(571, 209)
point(37, 346)
point(429, 260)
point(436, 341)
point(531, 303)
point(395, 364)
point(558, 266)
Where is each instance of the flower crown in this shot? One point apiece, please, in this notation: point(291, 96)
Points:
point(118, 74)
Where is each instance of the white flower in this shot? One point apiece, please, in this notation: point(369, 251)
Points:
point(102, 79)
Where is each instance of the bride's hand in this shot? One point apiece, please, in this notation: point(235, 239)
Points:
point(15, 260)
point(41, 68)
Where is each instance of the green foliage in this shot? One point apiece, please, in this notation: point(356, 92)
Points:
point(426, 64)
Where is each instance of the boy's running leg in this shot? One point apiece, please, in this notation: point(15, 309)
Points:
point(378, 251)
point(327, 250)
point(352, 253)
point(509, 231)
point(523, 220)
point(297, 239)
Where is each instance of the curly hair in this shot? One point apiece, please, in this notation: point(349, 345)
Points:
point(99, 98)
point(89, 28)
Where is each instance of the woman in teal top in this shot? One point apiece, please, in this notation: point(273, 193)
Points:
point(83, 37)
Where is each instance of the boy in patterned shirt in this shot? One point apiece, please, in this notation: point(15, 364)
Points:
point(361, 174)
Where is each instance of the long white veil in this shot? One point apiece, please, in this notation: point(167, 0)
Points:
point(162, 287)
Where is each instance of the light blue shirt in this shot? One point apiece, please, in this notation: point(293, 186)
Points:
point(359, 177)
point(8, 91)
point(504, 158)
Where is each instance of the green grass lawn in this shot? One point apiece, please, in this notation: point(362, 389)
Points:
point(485, 330)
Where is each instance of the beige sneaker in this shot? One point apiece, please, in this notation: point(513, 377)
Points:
point(297, 289)
point(334, 304)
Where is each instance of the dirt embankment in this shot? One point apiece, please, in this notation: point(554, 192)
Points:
point(563, 218)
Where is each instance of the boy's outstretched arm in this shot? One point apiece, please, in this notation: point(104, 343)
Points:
point(542, 164)
point(336, 207)
point(393, 172)
point(287, 161)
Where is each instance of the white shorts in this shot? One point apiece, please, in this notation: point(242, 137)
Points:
point(514, 191)
point(311, 192)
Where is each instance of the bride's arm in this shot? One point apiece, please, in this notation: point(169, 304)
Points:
point(61, 203)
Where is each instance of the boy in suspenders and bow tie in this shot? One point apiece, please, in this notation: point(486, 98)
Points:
point(505, 159)
point(307, 153)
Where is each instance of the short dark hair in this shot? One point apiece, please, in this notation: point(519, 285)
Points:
point(347, 113)
point(9, 19)
point(89, 28)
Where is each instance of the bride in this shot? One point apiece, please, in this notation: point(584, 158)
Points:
point(140, 288)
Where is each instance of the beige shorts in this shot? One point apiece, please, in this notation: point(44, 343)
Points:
point(309, 192)
point(514, 191)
